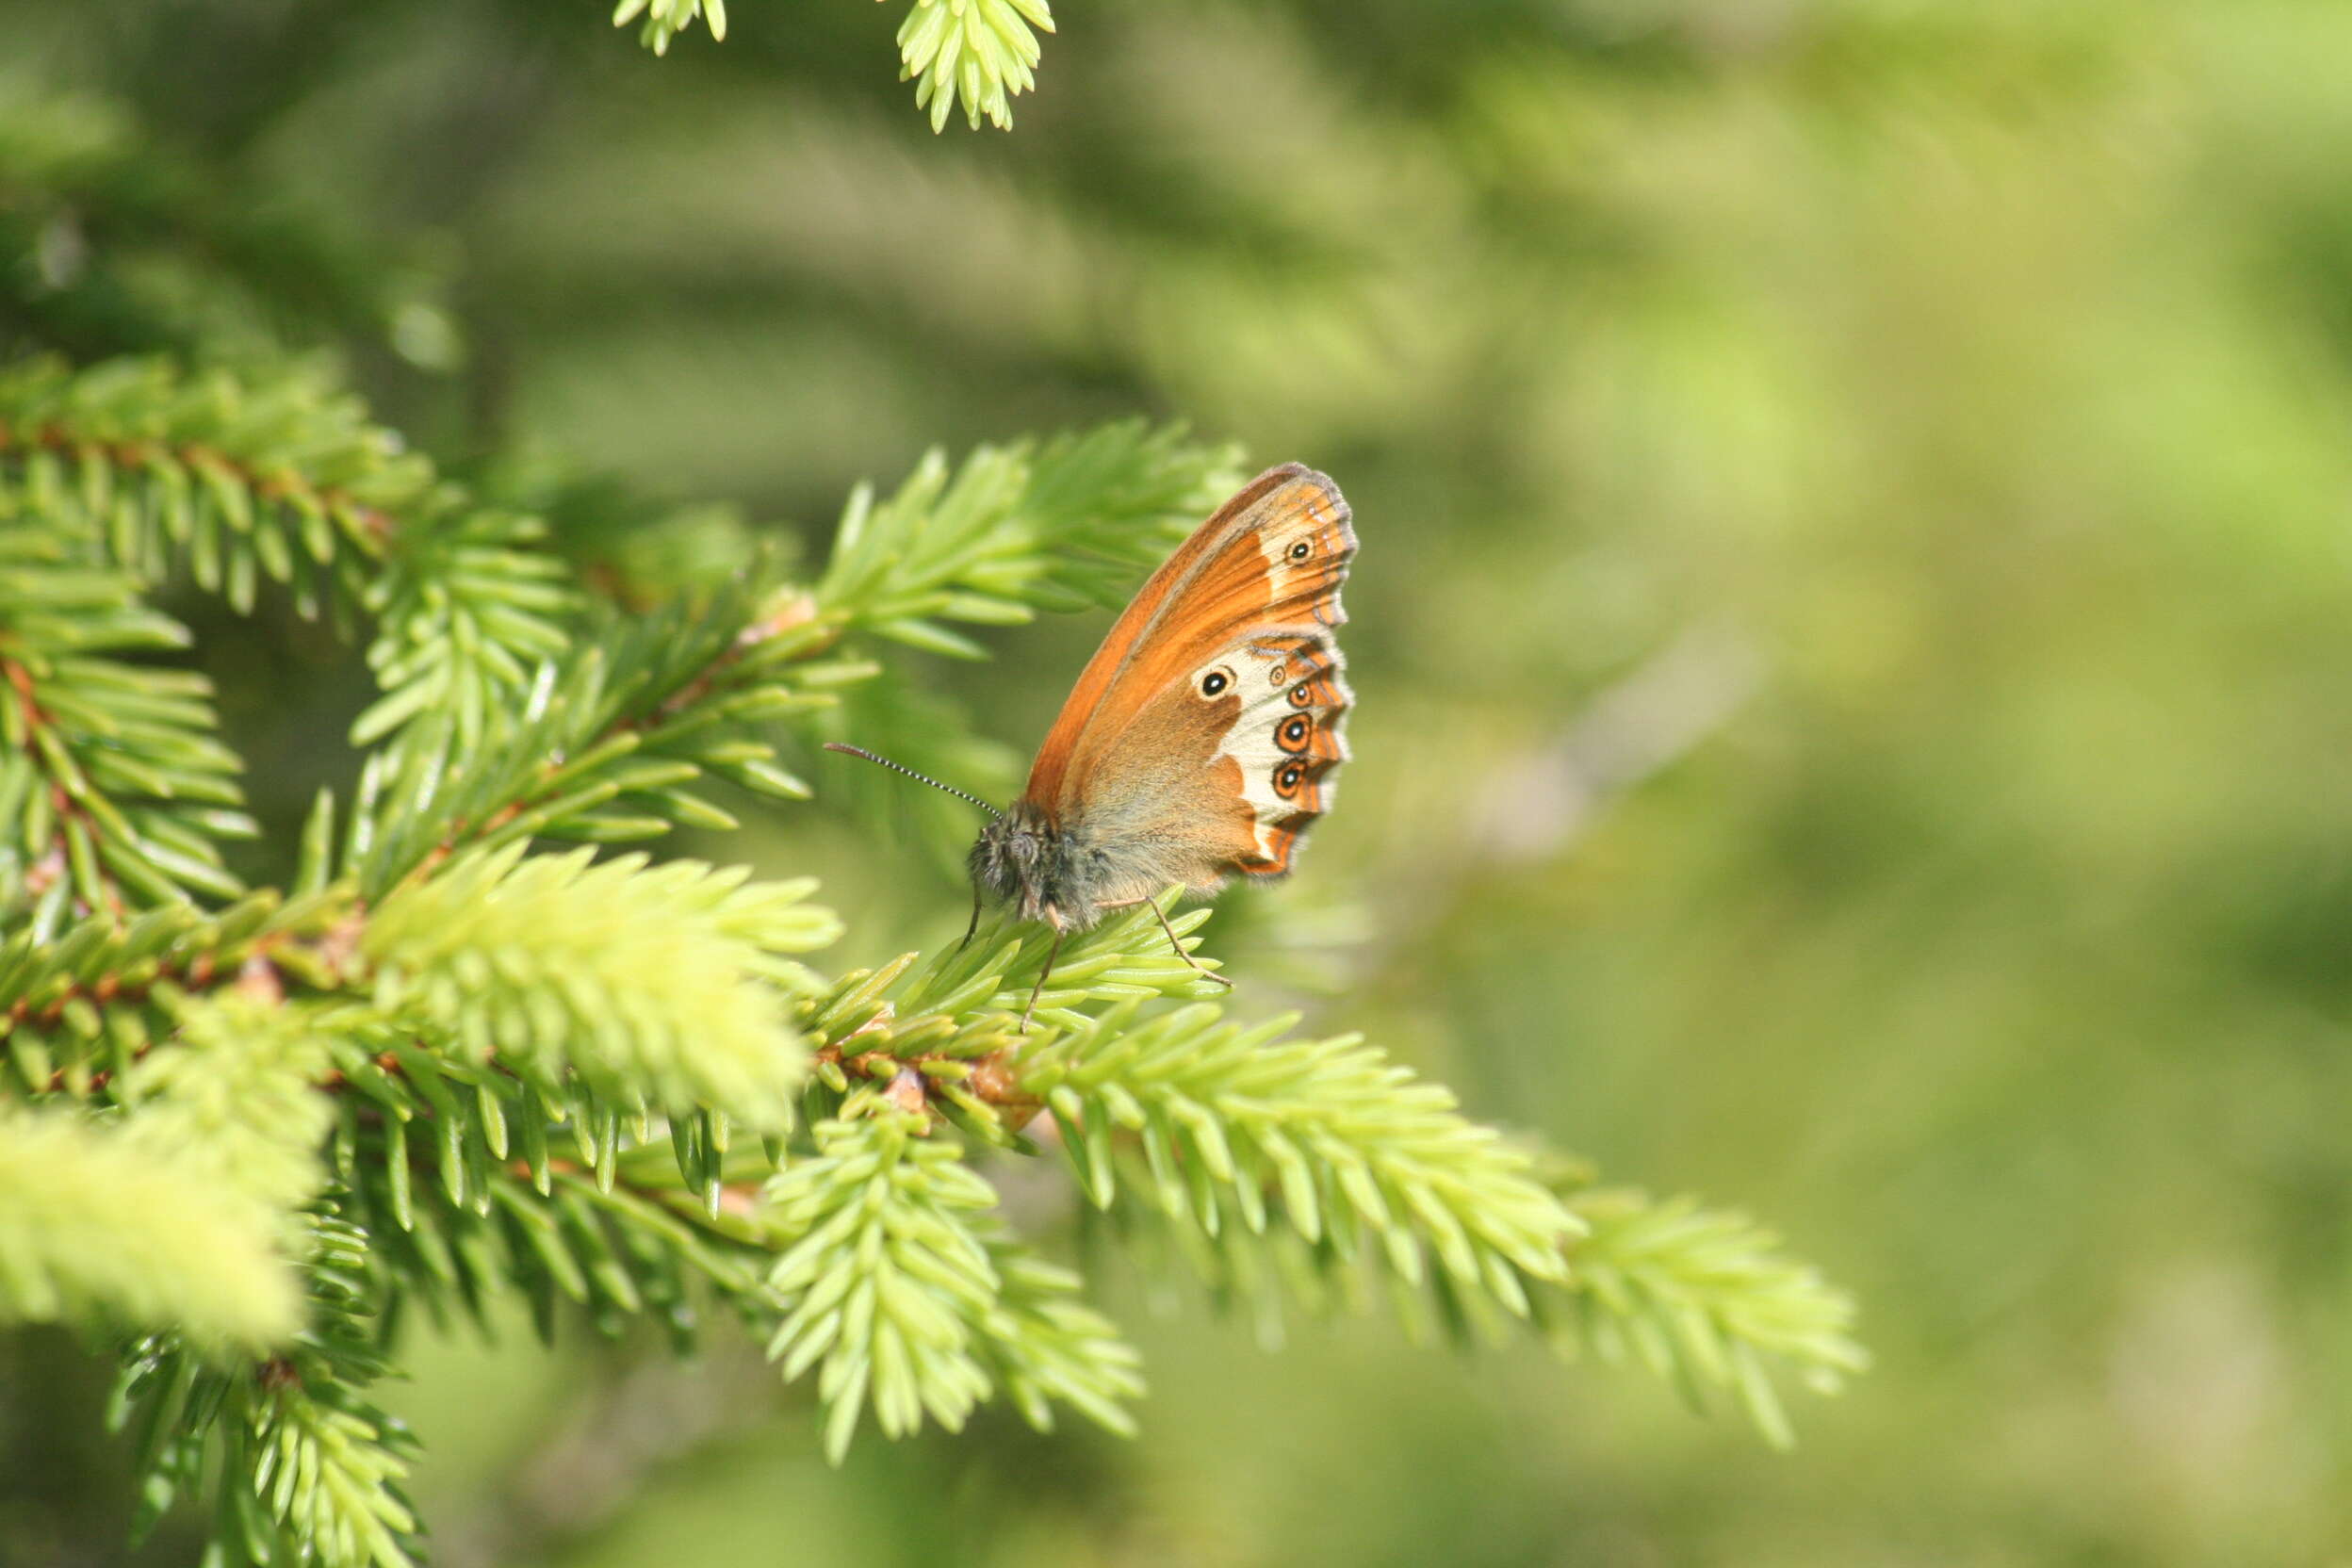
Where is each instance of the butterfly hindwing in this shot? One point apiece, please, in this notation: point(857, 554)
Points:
point(1287, 741)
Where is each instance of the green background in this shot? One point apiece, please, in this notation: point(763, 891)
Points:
point(1850, 642)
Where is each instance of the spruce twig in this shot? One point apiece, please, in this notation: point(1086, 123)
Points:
point(450, 1061)
point(976, 54)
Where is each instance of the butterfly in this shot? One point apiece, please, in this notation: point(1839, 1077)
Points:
point(1201, 740)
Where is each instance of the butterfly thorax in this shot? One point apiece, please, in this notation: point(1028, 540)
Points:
point(1027, 859)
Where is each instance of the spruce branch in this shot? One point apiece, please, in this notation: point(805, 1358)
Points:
point(471, 1182)
point(467, 609)
point(80, 1005)
point(979, 51)
point(609, 745)
point(1286, 1170)
point(100, 1228)
point(449, 1065)
point(114, 793)
point(604, 1229)
point(237, 1099)
point(274, 477)
point(954, 1023)
point(891, 1279)
point(323, 1472)
point(1281, 1164)
point(669, 982)
point(1246, 1125)
point(280, 477)
point(663, 20)
point(1701, 1298)
point(308, 1469)
point(980, 54)
point(1041, 1343)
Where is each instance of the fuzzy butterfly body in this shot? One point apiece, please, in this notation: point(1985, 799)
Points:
point(1201, 742)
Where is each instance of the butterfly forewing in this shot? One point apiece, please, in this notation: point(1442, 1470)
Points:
point(1201, 737)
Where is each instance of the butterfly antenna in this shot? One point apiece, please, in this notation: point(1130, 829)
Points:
point(901, 767)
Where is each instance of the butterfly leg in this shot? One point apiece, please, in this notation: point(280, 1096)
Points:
point(1154, 905)
point(1051, 954)
point(975, 922)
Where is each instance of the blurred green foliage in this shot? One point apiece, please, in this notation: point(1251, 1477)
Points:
point(1851, 640)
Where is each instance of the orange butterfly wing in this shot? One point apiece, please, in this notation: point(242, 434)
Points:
point(1201, 737)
